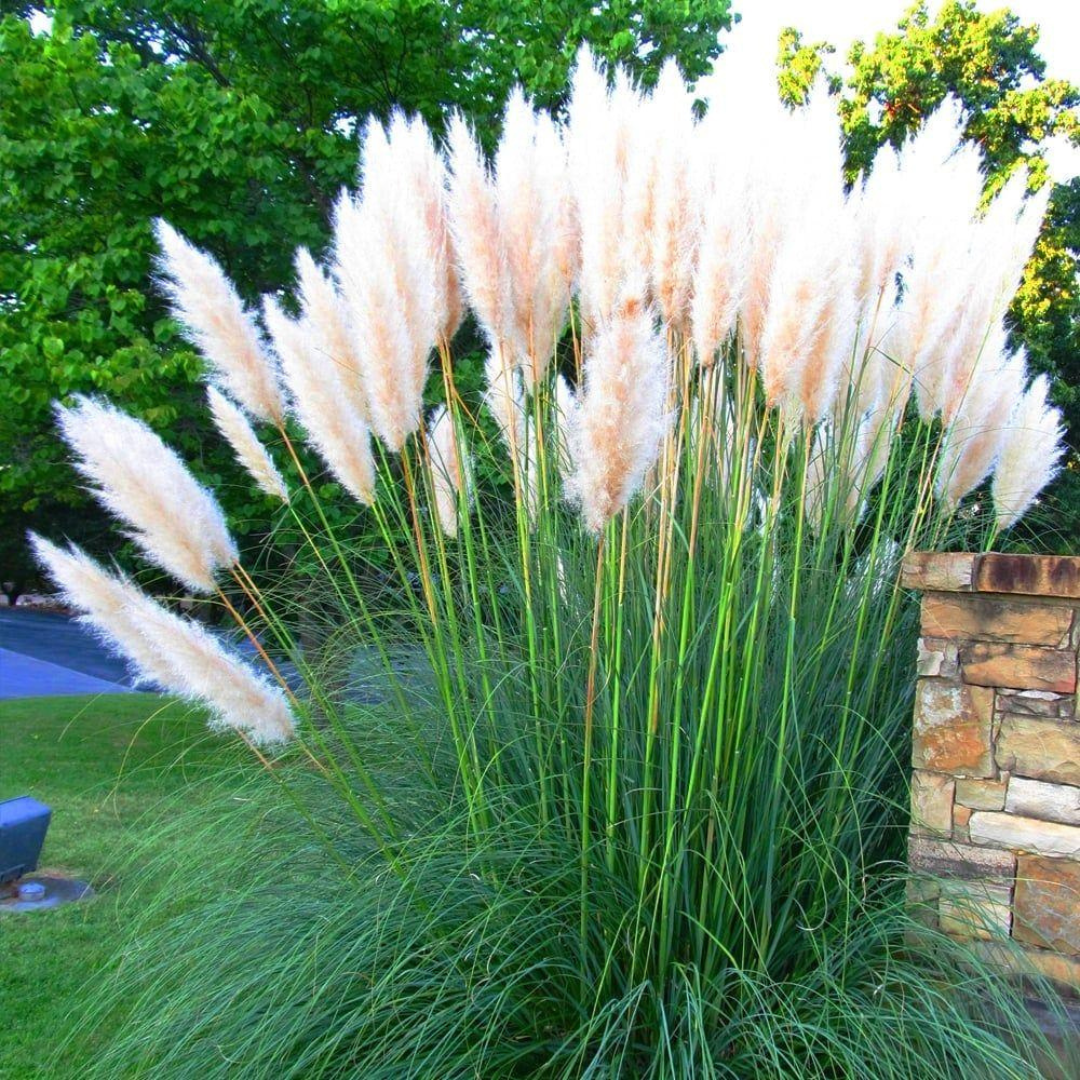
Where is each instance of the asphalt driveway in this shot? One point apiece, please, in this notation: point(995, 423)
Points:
point(44, 653)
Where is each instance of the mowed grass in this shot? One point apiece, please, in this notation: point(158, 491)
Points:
point(108, 766)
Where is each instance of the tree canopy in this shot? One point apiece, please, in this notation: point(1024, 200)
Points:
point(239, 124)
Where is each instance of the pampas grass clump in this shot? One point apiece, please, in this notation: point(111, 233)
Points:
point(630, 807)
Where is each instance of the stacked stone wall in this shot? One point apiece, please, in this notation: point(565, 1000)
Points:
point(995, 789)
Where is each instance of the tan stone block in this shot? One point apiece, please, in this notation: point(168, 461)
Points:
point(922, 898)
point(993, 618)
point(1020, 667)
point(982, 794)
point(1016, 833)
point(952, 728)
point(1047, 904)
point(1047, 802)
point(1036, 703)
point(976, 909)
point(941, 571)
point(1031, 575)
point(921, 890)
point(1014, 960)
point(931, 803)
point(1040, 749)
point(942, 859)
point(961, 817)
point(938, 658)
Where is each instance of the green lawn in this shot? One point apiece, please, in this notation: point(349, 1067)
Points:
point(106, 765)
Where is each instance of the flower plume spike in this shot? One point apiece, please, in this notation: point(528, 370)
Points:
point(479, 240)
point(1030, 456)
point(168, 650)
point(618, 422)
point(235, 429)
point(327, 319)
point(393, 288)
point(175, 521)
point(335, 426)
point(221, 328)
point(449, 469)
point(534, 229)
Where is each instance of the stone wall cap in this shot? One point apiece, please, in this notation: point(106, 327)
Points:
point(1018, 575)
point(1029, 575)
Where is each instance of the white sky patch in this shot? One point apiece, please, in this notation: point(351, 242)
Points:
point(752, 42)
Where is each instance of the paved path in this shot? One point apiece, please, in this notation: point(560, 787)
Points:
point(42, 653)
point(46, 654)
point(26, 676)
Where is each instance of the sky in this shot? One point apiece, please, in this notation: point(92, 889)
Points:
point(753, 40)
point(841, 22)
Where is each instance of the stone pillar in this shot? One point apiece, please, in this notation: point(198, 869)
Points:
point(995, 791)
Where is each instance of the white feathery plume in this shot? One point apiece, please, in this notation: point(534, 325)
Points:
point(449, 472)
point(625, 104)
point(619, 421)
point(174, 520)
point(817, 385)
point(876, 380)
point(560, 209)
point(107, 604)
point(882, 220)
point(235, 429)
point(599, 143)
point(890, 203)
point(943, 181)
point(934, 143)
point(1025, 237)
point(393, 367)
point(531, 200)
point(775, 145)
point(1031, 454)
point(173, 652)
point(517, 204)
point(974, 438)
point(327, 319)
point(977, 312)
point(720, 279)
point(809, 322)
point(390, 286)
point(640, 194)
point(1001, 244)
point(881, 212)
point(676, 222)
point(1006, 236)
point(334, 425)
point(557, 270)
point(207, 672)
point(218, 324)
point(423, 169)
point(932, 294)
point(565, 403)
point(478, 240)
